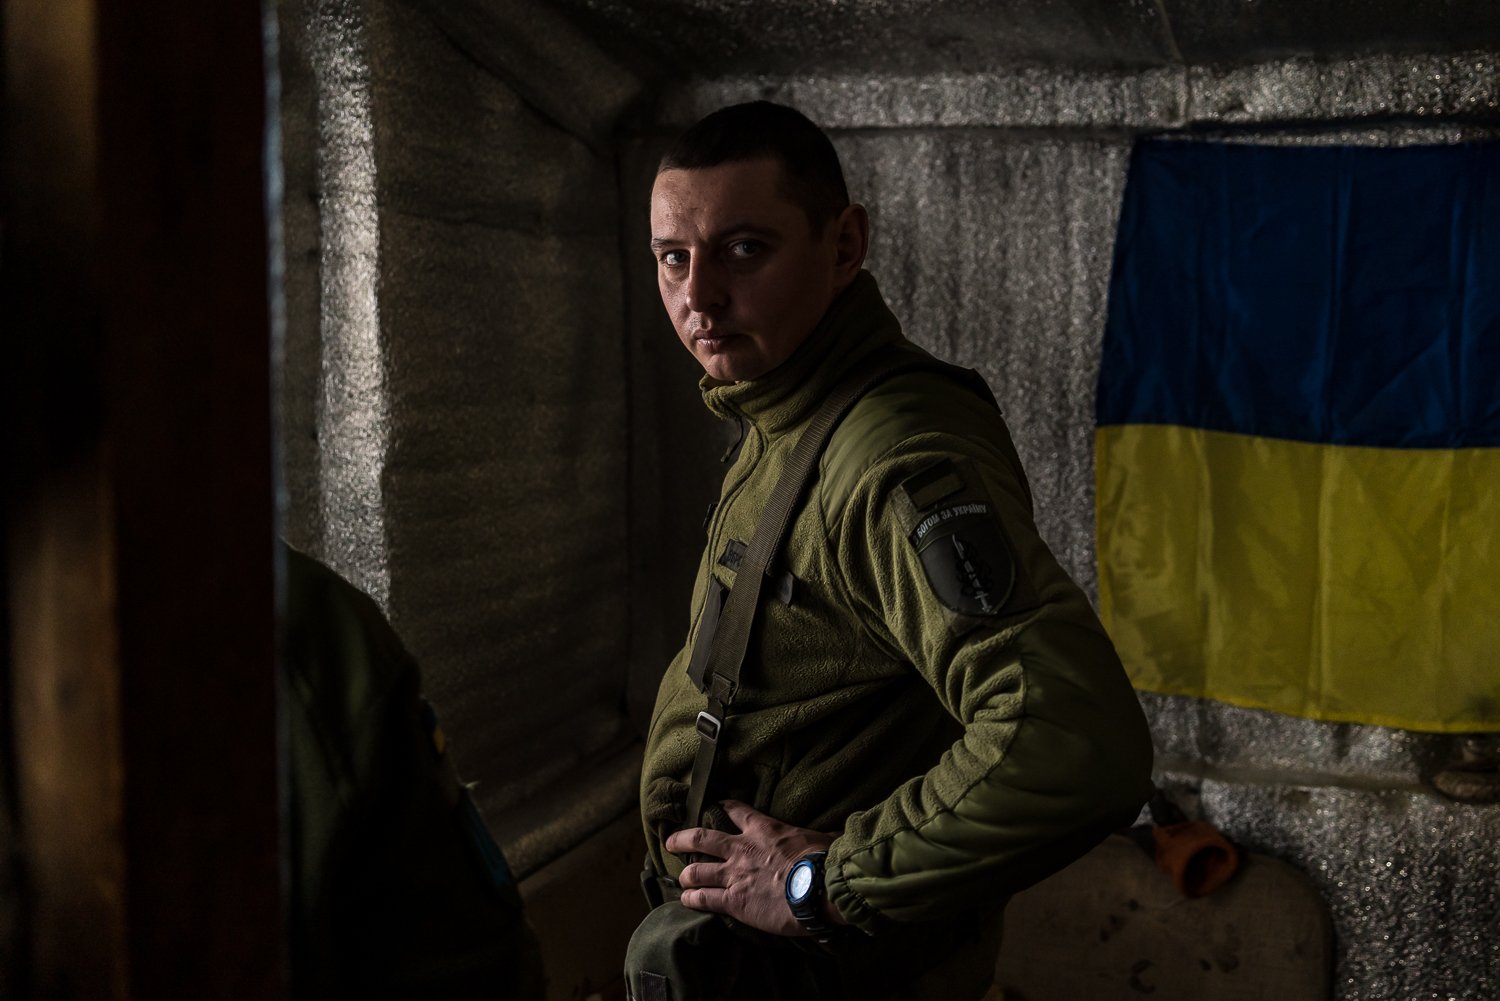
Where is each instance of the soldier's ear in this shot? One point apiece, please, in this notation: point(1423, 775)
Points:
point(851, 240)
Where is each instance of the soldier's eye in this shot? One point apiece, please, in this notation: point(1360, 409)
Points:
point(744, 248)
point(674, 258)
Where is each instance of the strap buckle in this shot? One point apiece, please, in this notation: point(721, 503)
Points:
point(708, 726)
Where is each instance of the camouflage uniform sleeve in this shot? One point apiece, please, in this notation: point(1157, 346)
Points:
point(942, 563)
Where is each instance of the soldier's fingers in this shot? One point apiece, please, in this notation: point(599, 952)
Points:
point(743, 813)
point(701, 874)
point(702, 840)
point(711, 898)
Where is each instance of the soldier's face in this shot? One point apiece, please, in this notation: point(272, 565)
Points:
point(743, 277)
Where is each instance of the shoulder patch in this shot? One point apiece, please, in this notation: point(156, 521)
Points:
point(434, 729)
point(965, 557)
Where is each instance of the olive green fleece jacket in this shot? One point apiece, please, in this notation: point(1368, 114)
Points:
point(963, 745)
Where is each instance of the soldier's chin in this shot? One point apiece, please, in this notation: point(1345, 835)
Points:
point(727, 362)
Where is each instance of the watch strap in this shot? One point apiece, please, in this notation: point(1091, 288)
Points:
point(809, 912)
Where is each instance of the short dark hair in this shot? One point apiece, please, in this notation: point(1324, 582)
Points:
point(813, 178)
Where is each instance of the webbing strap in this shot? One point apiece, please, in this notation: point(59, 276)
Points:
point(654, 987)
point(726, 654)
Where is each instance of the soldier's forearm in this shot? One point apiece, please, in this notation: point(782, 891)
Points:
point(1016, 799)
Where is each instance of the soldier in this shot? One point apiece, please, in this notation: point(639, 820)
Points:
point(898, 711)
point(397, 888)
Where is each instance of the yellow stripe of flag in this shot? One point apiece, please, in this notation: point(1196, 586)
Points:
point(1336, 582)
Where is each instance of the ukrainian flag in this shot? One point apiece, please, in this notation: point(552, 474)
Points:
point(1298, 442)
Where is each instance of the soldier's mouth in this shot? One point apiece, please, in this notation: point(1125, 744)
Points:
point(714, 340)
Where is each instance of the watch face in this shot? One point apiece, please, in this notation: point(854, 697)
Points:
point(799, 883)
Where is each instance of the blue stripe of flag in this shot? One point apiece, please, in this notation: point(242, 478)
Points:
point(1344, 295)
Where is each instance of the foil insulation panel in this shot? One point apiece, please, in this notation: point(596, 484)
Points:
point(334, 409)
point(709, 37)
point(507, 467)
point(1444, 86)
point(545, 60)
point(703, 38)
point(1237, 31)
point(469, 467)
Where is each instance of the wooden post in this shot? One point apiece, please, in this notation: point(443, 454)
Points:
point(140, 498)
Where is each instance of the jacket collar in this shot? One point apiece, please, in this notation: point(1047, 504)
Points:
point(858, 323)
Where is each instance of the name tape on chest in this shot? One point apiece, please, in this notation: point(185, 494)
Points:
point(734, 555)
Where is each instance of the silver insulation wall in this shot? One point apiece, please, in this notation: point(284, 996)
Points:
point(454, 407)
point(489, 423)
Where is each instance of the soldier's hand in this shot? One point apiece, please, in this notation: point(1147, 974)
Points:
point(749, 884)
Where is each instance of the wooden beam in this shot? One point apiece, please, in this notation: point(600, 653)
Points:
point(140, 500)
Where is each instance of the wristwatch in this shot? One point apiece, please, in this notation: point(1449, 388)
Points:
point(805, 892)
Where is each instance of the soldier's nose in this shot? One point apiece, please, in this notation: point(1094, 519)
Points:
point(706, 289)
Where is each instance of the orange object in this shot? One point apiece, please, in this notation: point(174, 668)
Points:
point(1196, 855)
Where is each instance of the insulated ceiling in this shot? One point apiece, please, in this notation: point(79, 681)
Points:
point(710, 38)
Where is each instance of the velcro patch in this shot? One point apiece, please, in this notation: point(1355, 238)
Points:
point(733, 555)
point(965, 557)
point(937, 481)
